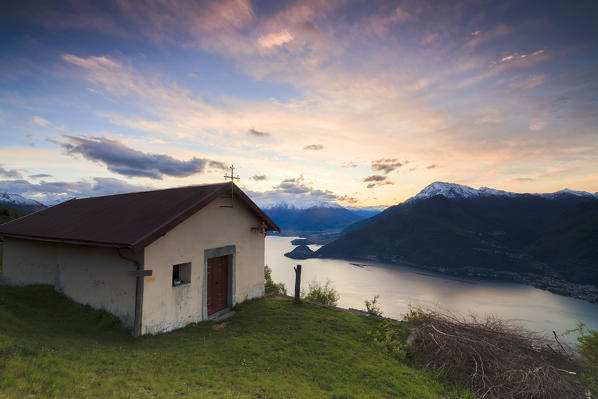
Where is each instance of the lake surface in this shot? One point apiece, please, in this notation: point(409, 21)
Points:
point(400, 286)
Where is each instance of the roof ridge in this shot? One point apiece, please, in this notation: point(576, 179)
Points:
point(128, 219)
point(142, 192)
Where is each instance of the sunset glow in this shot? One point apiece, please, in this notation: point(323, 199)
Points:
point(359, 103)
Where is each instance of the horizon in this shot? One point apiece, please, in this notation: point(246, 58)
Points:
point(356, 104)
point(268, 203)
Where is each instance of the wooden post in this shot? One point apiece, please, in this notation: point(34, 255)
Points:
point(298, 284)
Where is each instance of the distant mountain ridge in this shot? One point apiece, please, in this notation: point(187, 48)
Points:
point(546, 240)
point(454, 190)
point(313, 219)
point(21, 203)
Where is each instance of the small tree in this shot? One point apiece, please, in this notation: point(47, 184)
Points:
point(270, 287)
point(324, 294)
point(587, 346)
point(372, 306)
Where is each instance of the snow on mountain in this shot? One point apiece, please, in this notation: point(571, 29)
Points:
point(17, 199)
point(453, 190)
point(303, 204)
point(21, 203)
point(568, 192)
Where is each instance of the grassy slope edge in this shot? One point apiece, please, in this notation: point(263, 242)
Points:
point(52, 347)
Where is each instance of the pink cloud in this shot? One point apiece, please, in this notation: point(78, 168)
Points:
point(275, 39)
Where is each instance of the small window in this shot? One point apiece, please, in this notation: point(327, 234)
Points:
point(181, 274)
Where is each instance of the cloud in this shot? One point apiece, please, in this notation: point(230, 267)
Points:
point(531, 82)
point(386, 165)
point(10, 173)
point(481, 37)
point(126, 161)
point(91, 62)
point(372, 185)
point(275, 39)
point(348, 199)
point(38, 120)
point(53, 191)
point(258, 133)
point(536, 126)
point(314, 147)
point(40, 176)
point(433, 166)
point(429, 39)
point(258, 177)
point(295, 192)
point(350, 164)
point(292, 186)
point(375, 178)
point(401, 15)
point(517, 56)
point(308, 28)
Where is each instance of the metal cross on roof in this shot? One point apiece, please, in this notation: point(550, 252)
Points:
point(232, 176)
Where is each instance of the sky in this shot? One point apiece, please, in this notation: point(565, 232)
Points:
point(361, 103)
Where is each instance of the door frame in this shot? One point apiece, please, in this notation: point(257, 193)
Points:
point(230, 251)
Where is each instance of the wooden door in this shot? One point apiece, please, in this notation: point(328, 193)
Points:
point(217, 284)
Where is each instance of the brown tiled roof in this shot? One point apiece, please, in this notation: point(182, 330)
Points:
point(132, 220)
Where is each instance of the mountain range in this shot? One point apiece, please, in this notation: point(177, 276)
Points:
point(320, 218)
point(20, 203)
point(460, 230)
point(455, 191)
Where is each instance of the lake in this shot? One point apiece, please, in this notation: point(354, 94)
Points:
point(400, 286)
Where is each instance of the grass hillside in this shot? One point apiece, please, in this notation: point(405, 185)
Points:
point(51, 347)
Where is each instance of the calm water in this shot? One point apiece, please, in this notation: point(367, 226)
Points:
point(399, 286)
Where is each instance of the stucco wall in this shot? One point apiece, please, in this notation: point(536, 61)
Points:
point(166, 307)
point(88, 275)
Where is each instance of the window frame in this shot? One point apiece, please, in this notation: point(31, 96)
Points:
point(183, 273)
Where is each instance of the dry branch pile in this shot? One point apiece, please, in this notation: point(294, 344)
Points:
point(497, 359)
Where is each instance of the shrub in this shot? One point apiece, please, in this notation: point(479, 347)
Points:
point(372, 306)
point(270, 287)
point(392, 337)
point(325, 294)
point(587, 346)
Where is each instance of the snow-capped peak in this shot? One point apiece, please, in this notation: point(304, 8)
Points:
point(298, 204)
point(567, 191)
point(17, 199)
point(453, 190)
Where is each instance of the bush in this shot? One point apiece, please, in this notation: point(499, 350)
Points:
point(270, 287)
point(587, 346)
point(392, 337)
point(372, 306)
point(325, 294)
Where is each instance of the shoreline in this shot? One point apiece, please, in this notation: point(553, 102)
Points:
point(551, 283)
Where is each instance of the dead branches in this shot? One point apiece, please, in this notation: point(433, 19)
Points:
point(497, 359)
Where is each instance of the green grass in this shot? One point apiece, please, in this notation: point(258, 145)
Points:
point(51, 347)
